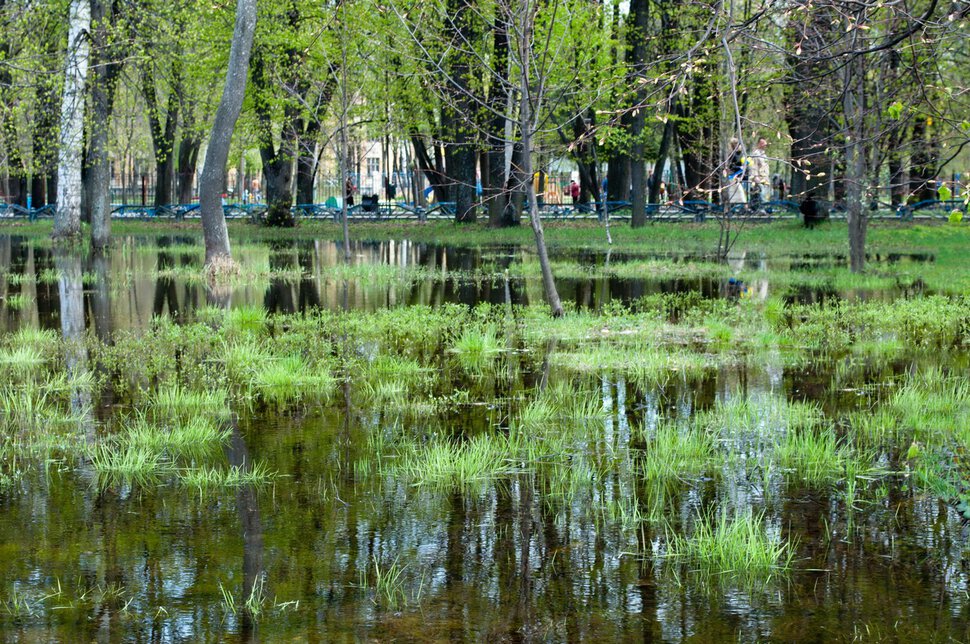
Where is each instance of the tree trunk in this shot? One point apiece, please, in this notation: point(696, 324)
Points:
point(432, 169)
point(658, 168)
point(526, 125)
point(217, 253)
point(45, 144)
point(806, 104)
point(277, 163)
point(67, 221)
point(460, 152)
point(922, 162)
point(639, 19)
point(188, 161)
point(163, 132)
point(854, 107)
point(495, 179)
point(306, 162)
point(103, 77)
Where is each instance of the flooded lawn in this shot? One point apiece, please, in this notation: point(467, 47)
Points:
point(408, 448)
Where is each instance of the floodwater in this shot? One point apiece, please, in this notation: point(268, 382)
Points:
point(501, 562)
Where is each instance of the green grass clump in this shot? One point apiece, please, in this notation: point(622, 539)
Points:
point(446, 462)
point(17, 301)
point(246, 320)
point(243, 360)
point(815, 457)
point(22, 360)
point(191, 437)
point(207, 479)
point(288, 378)
point(561, 406)
point(174, 400)
point(737, 549)
point(933, 406)
point(647, 365)
point(127, 464)
point(676, 453)
point(477, 347)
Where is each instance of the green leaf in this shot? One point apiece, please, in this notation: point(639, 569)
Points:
point(944, 193)
point(895, 110)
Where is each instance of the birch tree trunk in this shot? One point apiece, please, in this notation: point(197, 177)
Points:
point(217, 253)
point(67, 221)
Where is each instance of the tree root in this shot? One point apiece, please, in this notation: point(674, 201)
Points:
point(220, 269)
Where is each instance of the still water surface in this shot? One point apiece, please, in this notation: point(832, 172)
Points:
point(503, 562)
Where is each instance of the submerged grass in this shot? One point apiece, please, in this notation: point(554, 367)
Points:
point(448, 462)
point(175, 400)
point(732, 549)
point(207, 479)
point(192, 437)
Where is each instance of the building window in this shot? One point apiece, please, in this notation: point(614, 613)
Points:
point(373, 165)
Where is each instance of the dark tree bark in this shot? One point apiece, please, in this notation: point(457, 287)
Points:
point(306, 162)
point(16, 173)
point(45, 145)
point(163, 131)
point(433, 169)
point(104, 76)
point(807, 105)
point(699, 140)
point(526, 125)
point(495, 180)
point(188, 161)
point(460, 150)
point(639, 23)
point(277, 161)
point(217, 253)
point(923, 162)
point(665, 143)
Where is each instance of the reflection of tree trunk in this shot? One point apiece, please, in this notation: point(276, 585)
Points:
point(247, 505)
point(309, 294)
point(101, 299)
point(71, 297)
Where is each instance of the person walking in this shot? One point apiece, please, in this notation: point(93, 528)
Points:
point(760, 178)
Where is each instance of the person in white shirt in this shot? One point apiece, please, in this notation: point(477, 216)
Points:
point(760, 178)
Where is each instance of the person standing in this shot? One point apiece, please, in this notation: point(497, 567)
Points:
point(349, 190)
point(735, 174)
point(760, 177)
point(574, 191)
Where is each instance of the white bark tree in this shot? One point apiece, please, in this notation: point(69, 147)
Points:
point(67, 221)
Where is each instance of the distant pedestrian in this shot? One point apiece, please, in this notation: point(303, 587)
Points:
point(735, 173)
point(574, 191)
point(349, 190)
point(760, 178)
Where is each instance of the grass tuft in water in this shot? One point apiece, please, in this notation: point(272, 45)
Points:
point(735, 549)
point(126, 464)
point(815, 457)
point(477, 347)
point(191, 437)
point(208, 479)
point(175, 400)
point(445, 462)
